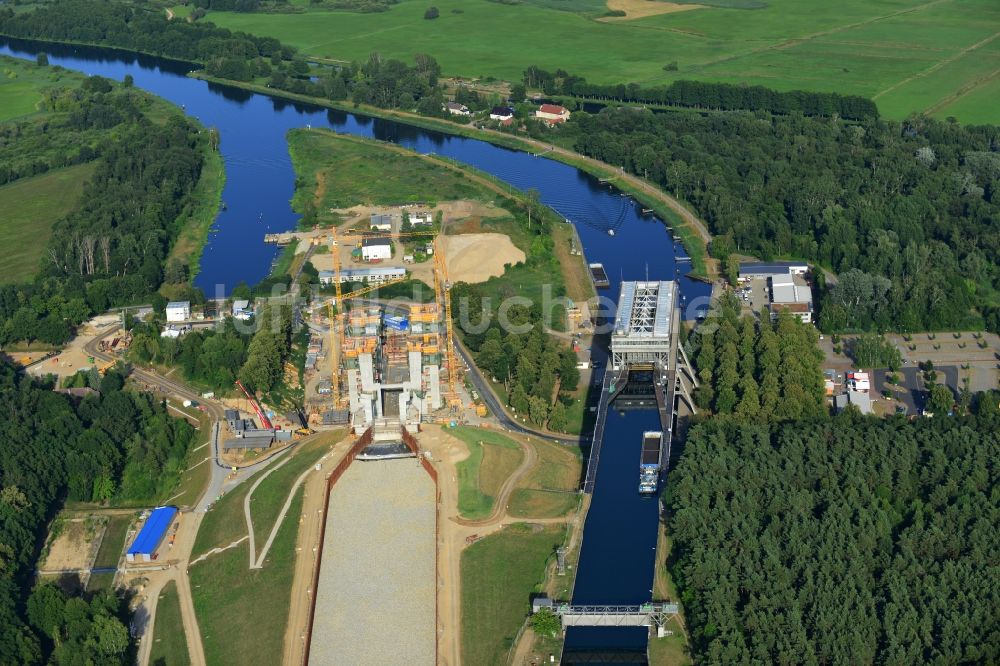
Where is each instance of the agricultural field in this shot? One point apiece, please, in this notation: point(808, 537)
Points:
point(909, 55)
point(31, 206)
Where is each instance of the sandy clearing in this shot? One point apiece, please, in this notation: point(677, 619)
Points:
point(637, 9)
point(74, 548)
point(476, 258)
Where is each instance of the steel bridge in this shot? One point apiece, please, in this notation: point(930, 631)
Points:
point(652, 614)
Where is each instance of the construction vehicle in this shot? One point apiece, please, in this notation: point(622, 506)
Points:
point(106, 366)
point(265, 422)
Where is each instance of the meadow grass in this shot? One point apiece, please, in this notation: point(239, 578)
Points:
point(21, 85)
point(492, 459)
point(499, 574)
point(549, 489)
point(169, 644)
point(241, 612)
point(853, 47)
point(270, 496)
point(31, 206)
point(338, 171)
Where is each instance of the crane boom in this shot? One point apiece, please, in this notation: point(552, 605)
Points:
point(264, 421)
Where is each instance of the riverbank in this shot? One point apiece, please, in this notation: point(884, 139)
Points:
point(205, 206)
point(692, 231)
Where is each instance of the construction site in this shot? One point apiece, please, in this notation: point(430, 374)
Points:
point(383, 362)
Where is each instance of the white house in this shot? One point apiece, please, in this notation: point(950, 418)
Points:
point(552, 113)
point(376, 249)
point(859, 382)
point(456, 109)
point(178, 311)
point(421, 218)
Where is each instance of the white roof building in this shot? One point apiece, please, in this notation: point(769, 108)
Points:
point(376, 249)
point(178, 311)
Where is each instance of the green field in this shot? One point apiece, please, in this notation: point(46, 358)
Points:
point(875, 48)
point(169, 643)
point(242, 613)
point(21, 85)
point(492, 459)
point(339, 171)
point(112, 547)
point(499, 574)
point(550, 488)
point(30, 207)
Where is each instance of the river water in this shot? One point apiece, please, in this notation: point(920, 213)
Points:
point(616, 563)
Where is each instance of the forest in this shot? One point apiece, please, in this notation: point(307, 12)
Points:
point(113, 444)
point(906, 213)
point(706, 95)
point(215, 358)
point(846, 541)
point(111, 249)
point(126, 26)
point(756, 370)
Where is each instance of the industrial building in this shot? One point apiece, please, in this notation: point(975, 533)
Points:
point(376, 249)
point(789, 293)
point(861, 400)
point(143, 548)
point(751, 270)
point(381, 221)
point(178, 311)
point(365, 275)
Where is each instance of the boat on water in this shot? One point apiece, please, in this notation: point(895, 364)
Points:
point(611, 232)
point(650, 462)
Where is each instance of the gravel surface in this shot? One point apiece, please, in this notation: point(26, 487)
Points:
point(376, 603)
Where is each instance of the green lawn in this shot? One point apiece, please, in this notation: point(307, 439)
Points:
point(492, 459)
point(112, 547)
point(169, 643)
point(499, 575)
point(21, 84)
point(242, 613)
point(854, 46)
point(223, 524)
point(31, 206)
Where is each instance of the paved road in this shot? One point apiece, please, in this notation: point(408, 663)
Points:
point(486, 391)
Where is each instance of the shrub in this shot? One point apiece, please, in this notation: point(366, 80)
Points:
point(431, 13)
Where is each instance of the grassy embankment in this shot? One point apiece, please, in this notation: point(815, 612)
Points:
point(499, 574)
point(492, 459)
point(202, 213)
point(197, 469)
point(242, 613)
point(670, 650)
point(169, 645)
point(910, 56)
point(549, 489)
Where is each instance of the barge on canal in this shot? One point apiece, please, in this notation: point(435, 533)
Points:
point(650, 462)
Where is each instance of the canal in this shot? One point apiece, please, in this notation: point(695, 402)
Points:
point(616, 562)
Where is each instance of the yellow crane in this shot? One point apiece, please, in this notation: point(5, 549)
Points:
point(443, 289)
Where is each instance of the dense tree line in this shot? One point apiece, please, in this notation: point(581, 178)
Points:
point(254, 353)
point(386, 83)
point(756, 370)
point(848, 541)
point(126, 26)
point(706, 95)
point(112, 444)
point(906, 212)
point(110, 250)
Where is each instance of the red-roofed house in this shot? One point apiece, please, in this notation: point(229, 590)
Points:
point(552, 113)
